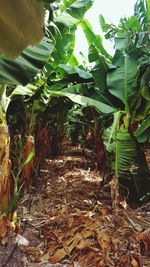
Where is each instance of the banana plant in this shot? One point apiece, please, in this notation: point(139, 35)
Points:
point(5, 163)
point(13, 72)
point(118, 83)
point(65, 20)
point(60, 41)
point(128, 80)
point(26, 65)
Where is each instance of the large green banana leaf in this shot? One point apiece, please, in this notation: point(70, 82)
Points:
point(100, 69)
point(109, 135)
point(76, 94)
point(145, 83)
point(92, 38)
point(130, 165)
point(73, 12)
point(74, 70)
point(85, 101)
point(26, 66)
point(122, 79)
point(142, 12)
point(143, 132)
point(99, 72)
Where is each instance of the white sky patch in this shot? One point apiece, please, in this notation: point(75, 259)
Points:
point(112, 11)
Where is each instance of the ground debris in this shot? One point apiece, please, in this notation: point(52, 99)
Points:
point(71, 222)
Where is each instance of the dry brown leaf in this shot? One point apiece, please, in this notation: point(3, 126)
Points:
point(3, 225)
point(58, 255)
point(145, 236)
point(134, 262)
point(74, 242)
point(103, 239)
point(91, 259)
point(83, 244)
point(92, 237)
point(86, 233)
point(124, 261)
point(106, 210)
point(19, 31)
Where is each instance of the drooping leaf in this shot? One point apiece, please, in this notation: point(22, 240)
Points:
point(66, 19)
point(145, 84)
point(72, 70)
point(99, 72)
point(106, 138)
point(66, 3)
point(142, 133)
point(130, 165)
point(110, 139)
point(85, 101)
point(26, 66)
point(144, 137)
point(22, 90)
point(143, 111)
point(78, 8)
point(63, 49)
point(73, 12)
point(121, 42)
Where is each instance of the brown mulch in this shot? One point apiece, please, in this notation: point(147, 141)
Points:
point(67, 220)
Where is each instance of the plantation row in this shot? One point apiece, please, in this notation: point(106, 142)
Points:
point(47, 95)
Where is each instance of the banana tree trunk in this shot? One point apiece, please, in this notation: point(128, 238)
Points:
point(42, 142)
point(100, 152)
point(27, 171)
point(4, 176)
point(99, 147)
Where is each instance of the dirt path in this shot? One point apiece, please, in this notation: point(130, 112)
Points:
point(67, 220)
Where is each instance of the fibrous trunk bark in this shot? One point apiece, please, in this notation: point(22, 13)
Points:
point(4, 177)
point(27, 171)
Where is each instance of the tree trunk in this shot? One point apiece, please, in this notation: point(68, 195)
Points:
point(27, 171)
point(4, 176)
point(101, 153)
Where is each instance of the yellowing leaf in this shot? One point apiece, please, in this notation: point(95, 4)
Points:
point(21, 24)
